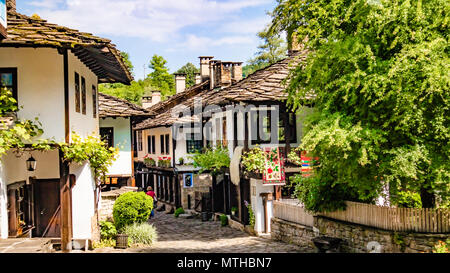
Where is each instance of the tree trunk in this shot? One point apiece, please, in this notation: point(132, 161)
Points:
point(428, 199)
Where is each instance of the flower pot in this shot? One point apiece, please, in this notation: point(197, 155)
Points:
point(205, 216)
point(233, 213)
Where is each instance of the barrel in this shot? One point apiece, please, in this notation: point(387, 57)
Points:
point(122, 241)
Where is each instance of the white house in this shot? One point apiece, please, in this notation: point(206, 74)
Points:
point(53, 72)
point(117, 118)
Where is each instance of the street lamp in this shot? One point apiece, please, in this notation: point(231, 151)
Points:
point(31, 164)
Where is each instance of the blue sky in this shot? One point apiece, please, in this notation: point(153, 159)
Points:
point(179, 30)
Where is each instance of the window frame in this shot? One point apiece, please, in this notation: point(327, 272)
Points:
point(77, 92)
point(13, 71)
point(111, 132)
point(94, 101)
point(83, 95)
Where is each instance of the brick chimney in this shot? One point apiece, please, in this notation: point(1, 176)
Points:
point(11, 5)
point(236, 72)
point(204, 67)
point(225, 78)
point(198, 77)
point(180, 82)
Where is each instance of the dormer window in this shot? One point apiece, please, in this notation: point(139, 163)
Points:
point(8, 80)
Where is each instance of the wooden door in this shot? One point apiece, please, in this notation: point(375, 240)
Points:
point(12, 214)
point(47, 208)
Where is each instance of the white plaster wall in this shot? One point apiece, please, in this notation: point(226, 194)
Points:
point(256, 188)
point(40, 76)
point(83, 125)
point(122, 140)
point(157, 132)
point(83, 202)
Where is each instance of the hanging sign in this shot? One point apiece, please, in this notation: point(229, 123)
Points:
point(3, 19)
point(274, 172)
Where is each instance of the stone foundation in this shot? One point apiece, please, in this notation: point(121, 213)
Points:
point(292, 233)
point(356, 238)
point(202, 183)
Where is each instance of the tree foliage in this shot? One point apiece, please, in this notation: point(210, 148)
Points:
point(271, 50)
point(190, 70)
point(160, 78)
point(380, 73)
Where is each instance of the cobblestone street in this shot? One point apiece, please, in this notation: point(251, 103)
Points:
point(193, 235)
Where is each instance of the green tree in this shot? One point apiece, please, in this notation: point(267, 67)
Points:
point(126, 59)
point(160, 78)
point(189, 69)
point(272, 49)
point(380, 73)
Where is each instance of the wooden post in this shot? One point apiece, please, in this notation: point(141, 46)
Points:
point(246, 134)
point(65, 202)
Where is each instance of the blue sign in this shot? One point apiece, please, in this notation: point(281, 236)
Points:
point(188, 180)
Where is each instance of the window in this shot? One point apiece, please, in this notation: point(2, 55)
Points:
point(161, 142)
point(77, 92)
point(266, 127)
point(139, 140)
point(194, 142)
point(167, 144)
point(151, 145)
point(107, 135)
point(8, 80)
point(193, 145)
point(94, 101)
point(83, 95)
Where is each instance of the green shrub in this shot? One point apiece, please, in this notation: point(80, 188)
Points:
point(178, 211)
point(407, 199)
point(223, 220)
point(132, 207)
point(107, 230)
point(104, 243)
point(141, 234)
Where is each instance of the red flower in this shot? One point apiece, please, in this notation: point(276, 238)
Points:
point(269, 171)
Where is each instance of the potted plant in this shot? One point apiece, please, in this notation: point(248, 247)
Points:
point(164, 161)
point(233, 211)
point(148, 161)
point(181, 161)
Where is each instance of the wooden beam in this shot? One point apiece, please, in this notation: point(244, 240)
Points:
point(65, 203)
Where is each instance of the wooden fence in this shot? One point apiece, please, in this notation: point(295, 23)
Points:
point(394, 219)
point(292, 212)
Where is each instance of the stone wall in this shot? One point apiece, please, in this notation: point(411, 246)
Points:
point(356, 238)
point(107, 202)
point(202, 183)
point(292, 233)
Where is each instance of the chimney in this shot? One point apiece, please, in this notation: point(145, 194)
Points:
point(198, 78)
point(11, 5)
point(225, 73)
point(293, 43)
point(146, 102)
point(212, 77)
point(156, 97)
point(204, 67)
point(180, 82)
point(236, 72)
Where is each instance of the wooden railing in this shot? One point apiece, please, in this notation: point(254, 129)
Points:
point(293, 212)
point(394, 219)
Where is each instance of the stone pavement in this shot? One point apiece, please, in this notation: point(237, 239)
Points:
point(24, 245)
point(192, 235)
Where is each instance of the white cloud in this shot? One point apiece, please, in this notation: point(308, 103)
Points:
point(157, 20)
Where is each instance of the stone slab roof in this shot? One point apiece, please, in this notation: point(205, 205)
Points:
point(265, 85)
point(110, 106)
point(99, 54)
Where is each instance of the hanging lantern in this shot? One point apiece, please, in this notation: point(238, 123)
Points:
point(31, 164)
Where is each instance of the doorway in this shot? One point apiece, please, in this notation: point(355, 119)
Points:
point(47, 207)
